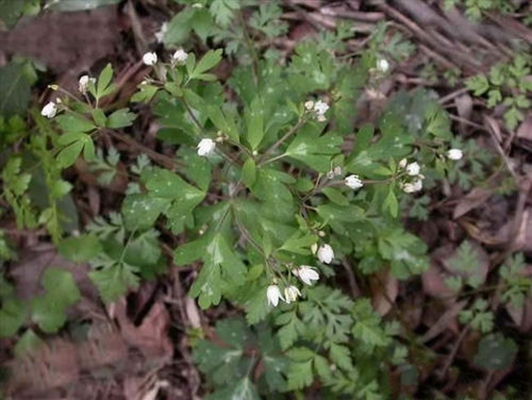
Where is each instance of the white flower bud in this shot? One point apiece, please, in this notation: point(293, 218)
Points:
point(383, 65)
point(291, 293)
point(273, 294)
point(402, 163)
point(206, 147)
point(413, 169)
point(149, 58)
point(309, 105)
point(307, 274)
point(353, 181)
point(325, 254)
point(455, 154)
point(180, 56)
point(314, 248)
point(84, 83)
point(49, 110)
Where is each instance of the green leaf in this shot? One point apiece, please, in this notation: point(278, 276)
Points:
point(10, 12)
point(13, 315)
point(68, 155)
point(78, 5)
point(104, 85)
point(70, 122)
point(179, 27)
point(312, 149)
point(254, 118)
point(80, 249)
point(49, 310)
point(225, 123)
point(48, 315)
point(14, 88)
point(55, 278)
point(209, 60)
point(99, 117)
point(219, 260)
point(114, 282)
point(390, 203)
point(495, 352)
point(478, 84)
point(192, 251)
point(367, 327)
point(121, 118)
point(335, 196)
point(223, 11)
point(300, 375)
point(27, 343)
point(207, 285)
point(142, 204)
point(249, 172)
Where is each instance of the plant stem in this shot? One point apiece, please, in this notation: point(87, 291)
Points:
point(279, 142)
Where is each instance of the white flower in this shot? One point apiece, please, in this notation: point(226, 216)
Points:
point(415, 186)
point(320, 107)
point(180, 56)
point(84, 83)
point(455, 154)
point(383, 65)
point(307, 274)
point(413, 169)
point(206, 147)
point(149, 58)
point(49, 110)
point(325, 254)
point(273, 293)
point(291, 293)
point(309, 105)
point(402, 163)
point(353, 181)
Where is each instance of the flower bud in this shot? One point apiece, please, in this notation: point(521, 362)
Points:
point(353, 181)
point(206, 147)
point(455, 154)
point(325, 254)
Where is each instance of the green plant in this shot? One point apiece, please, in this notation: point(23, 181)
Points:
point(506, 84)
point(274, 186)
point(474, 9)
point(517, 286)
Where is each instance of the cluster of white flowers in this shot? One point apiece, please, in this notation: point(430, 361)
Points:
point(353, 181)
point(206, 147)
point(149, 58)
point(306, 274)
point(84, 81)
point(319, 108)
point(413, 170)
point(273, 294)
